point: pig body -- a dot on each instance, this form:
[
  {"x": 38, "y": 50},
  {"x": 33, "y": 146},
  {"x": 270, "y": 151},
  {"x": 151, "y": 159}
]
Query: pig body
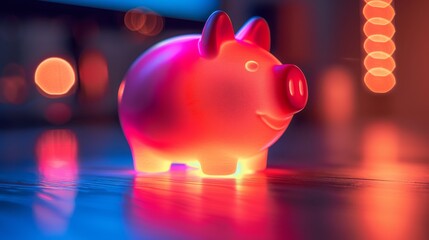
[{"x": 216, "y": 99}]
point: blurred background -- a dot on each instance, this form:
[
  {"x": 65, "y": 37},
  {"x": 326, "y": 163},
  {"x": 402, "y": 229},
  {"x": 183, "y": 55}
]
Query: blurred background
[
  {"x": 367, "y": 117},
  {"x": 364, "y": 62}
]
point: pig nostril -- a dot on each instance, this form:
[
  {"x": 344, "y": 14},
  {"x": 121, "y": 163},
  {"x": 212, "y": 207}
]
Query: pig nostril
[
  {"x": 301, "y": 88},
  {"x": 291, "y": 91}
]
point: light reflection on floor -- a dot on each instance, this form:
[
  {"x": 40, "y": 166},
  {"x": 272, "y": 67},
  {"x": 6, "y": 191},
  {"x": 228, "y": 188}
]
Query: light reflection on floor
[
  {"x": 56, "y": 154},
  {"x": 382, "y": 194},
  {"x": 186, "y": 203}
]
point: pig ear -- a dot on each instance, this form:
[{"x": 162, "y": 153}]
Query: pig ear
[
  {"x": 217, "y": 30},
  {"x": 256, "y": 31}
]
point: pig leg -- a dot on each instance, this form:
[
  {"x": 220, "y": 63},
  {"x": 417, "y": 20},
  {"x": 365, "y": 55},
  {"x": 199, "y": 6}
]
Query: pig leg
[
  {"x": 255, "y": 163},
  {"x": 218, "y": 165},
  {"x": 146, "y": 160}
]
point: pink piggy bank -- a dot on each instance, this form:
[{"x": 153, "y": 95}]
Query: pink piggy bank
[{"x": 216, "y": 100}]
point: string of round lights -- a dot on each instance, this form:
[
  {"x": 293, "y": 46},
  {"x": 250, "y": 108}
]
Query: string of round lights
[{"x": 379, "y": 45}]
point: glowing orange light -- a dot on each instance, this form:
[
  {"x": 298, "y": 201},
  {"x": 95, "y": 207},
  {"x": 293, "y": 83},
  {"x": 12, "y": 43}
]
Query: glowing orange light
[
  {"x": 375, "y": 8},
  {"x": 379, "y": 84},
  {"x": 386, "y": 48},
  {"x": 93, "y": 72},
  {"x": 54, "y": 77},
  {"x": 372, "y": 63},
  {"x": 121, "y": 91},
  {"x": 379, "y": 46},
  {"x": 375, "y": 28}
]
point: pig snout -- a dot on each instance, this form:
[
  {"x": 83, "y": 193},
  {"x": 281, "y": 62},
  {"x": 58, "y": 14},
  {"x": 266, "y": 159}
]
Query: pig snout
[{"x": 293, "y": 87}]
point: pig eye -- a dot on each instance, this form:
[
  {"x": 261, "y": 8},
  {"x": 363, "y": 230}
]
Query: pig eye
[{"x": 252, "y": 66}]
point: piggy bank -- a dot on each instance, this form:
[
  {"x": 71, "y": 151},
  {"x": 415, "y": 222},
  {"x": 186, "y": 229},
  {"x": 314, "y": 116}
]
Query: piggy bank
[{"x": 217, "y": 100}]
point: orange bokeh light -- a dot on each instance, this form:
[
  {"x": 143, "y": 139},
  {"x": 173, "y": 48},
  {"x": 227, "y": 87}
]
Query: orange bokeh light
[
  {"x": 373, "y": 63},
  {"x": 379, "y": 45},
  {"x": 381, "y": 9},
  {"x": 386, "y": 30},
  {"x": 385, "y": 47},
  {"x": 153, "y": 25},
  {"x": 134, "y": 19},
  {"x": 379, "y": 84},
  {"x": 145, "y": 22},
  {"x": 54, "y": 77}
]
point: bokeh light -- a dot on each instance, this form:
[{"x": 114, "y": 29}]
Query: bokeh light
[
  {"x": 94, "y": 74},
  {"x": 379, "y": 46},
  {"x": 378, "y": 9},
  {"x": 13, "y": 86},
  {"x": 145, "y": 22},
  {"x": 134, "y": 19},
  {"x": 55, "y": 77},
  {"x": 379, "y": 84},
  {"x": 153, "y": 25},
  {"x": 337, "y": 100}
]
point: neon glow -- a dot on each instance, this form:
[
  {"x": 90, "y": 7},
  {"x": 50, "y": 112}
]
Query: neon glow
[
  {"x": 379, "y": 46},
  {"x": 54, "y": 77},
  {"x": 222, "y": 114}
]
